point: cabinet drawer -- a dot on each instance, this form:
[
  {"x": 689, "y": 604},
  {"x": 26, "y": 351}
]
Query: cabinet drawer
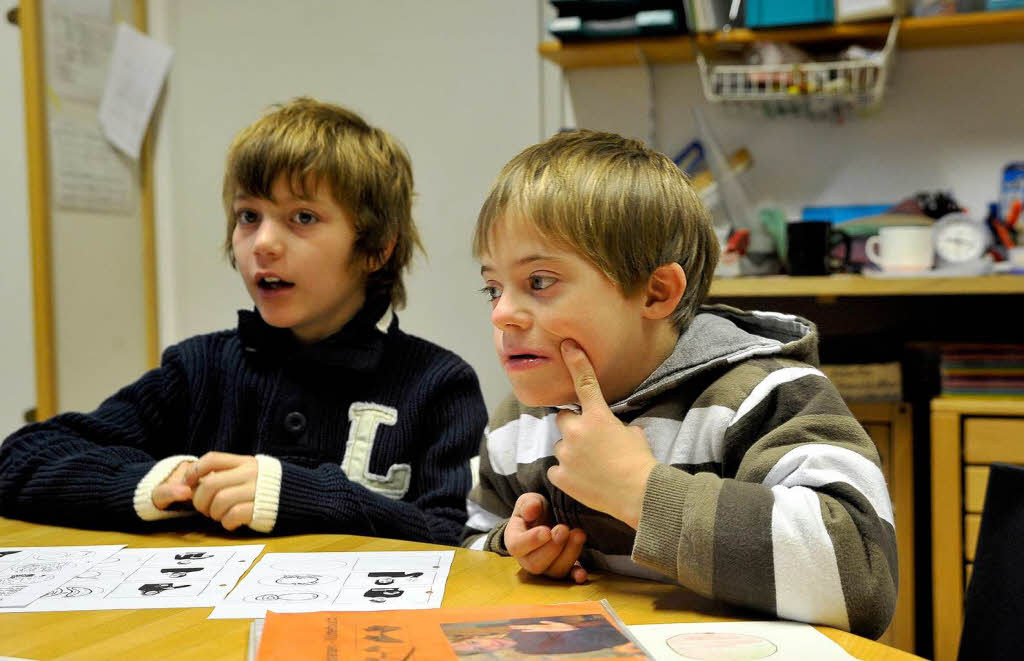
[
  {"x": 972, "y": 523},
  {"x": 975, "y": 483},
  {"x": 994, "y": 439}
]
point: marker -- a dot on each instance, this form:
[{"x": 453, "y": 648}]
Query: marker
[{"x": 1014, "y": 213}]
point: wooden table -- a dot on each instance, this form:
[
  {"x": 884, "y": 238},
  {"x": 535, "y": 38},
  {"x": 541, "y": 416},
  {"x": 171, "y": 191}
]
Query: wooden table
[{"x": 477, "y": 578}]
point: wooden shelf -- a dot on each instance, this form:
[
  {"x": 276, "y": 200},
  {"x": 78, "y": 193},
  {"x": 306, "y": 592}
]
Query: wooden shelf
[
  {"x": 978, "y": 405},
  {"x": 915, "y": 32},
  {"x": 776, "y": 286}
]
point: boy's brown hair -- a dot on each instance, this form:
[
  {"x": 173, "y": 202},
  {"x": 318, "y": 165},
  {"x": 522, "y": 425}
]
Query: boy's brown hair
[
  {"x": 368, "y": 172},
  {"x": 623, "y": 206}
]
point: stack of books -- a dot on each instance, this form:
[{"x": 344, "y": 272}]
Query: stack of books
[{"x": 982, "y": 370}]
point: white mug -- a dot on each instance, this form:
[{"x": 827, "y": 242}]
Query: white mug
[{"x": 904, "y": 248}]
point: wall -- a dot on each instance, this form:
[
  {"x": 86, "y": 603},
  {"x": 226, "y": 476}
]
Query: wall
[
  {"x": 17, "y": 371},
  {"x": 465, "y": 92},
  {"x": 459, "y": 83},
  {"x": 97, "y": 294}
]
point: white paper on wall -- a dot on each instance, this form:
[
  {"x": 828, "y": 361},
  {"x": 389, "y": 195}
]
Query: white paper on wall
[
  {"x": 138, "y": 68},
  {"x": 78, "y": 46},
  {"x": 89, "y": 174}
]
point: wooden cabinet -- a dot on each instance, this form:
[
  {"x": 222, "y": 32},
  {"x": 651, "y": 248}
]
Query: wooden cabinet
[
  {"x": 889, "y": 425},
  {"x": 967, "y": 436}
]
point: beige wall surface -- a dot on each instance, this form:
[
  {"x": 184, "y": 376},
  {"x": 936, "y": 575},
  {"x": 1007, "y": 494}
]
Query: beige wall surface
[{"x": 459, "y": 83}]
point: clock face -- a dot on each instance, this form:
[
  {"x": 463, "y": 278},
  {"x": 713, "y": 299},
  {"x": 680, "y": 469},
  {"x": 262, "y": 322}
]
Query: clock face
[{"x": 960, "y": 239}]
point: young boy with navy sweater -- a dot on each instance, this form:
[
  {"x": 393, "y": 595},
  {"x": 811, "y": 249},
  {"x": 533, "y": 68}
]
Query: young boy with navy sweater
[{"x": 317, "y": 414}]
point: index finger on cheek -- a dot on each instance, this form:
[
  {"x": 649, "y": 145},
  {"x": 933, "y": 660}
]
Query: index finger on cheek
[{"x": 584, "y": 379}]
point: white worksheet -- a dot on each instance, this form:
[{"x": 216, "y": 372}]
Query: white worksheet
[
  {"x": 308, "y": 582},
  {"x": 184, "y": 577},
  {"x": 775, "y": 641},
  {"x": 29, "y": 572}
]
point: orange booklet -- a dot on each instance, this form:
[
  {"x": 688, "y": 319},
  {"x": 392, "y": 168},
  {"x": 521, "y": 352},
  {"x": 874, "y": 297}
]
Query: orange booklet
[{"x": 582, "y": 630}]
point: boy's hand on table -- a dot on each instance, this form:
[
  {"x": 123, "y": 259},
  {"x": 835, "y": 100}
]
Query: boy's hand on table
[
  {"x": 174, "y": 488},
  {"x": 539, "y": 548},
  {"x": 602, "y": 463},
  {"x": 224, "y": 487}
]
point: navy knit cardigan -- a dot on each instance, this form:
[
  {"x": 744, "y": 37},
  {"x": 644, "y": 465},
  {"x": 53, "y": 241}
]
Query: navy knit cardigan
[{"x": 255, "y": 390}]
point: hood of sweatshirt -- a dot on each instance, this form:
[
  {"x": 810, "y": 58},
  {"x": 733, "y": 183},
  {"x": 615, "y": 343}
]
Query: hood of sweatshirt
[{"x": 721, "y": 336}]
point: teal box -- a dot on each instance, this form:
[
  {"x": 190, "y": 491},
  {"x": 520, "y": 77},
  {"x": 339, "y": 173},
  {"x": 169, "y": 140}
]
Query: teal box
[{"x": 775, "y": 13}]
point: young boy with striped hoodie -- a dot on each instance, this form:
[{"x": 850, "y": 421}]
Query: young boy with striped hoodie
[{"x": 649, "y": 434}]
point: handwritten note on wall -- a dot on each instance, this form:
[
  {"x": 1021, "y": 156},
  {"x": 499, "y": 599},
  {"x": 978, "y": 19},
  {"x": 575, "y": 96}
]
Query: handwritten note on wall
[
  {"x": 88, "y": 174},
  {"x": 78, "y": 48},
  {"x": 138, "y": 68}
]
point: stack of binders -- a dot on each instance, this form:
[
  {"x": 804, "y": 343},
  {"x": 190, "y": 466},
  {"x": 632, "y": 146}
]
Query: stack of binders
[
  {"x": 990, "y": 370},
  {"x": 588, "y": 20}
]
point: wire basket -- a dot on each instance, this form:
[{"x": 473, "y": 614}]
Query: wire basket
[{"x": 820, "y": 90}]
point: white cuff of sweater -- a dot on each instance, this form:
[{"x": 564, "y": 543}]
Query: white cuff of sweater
[
  {"x": 268, "y": 493},
  {"x": 143, "y": 499}
]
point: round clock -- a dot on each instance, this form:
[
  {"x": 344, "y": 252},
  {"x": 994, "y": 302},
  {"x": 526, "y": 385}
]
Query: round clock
[{"x": 959, "y": 239}]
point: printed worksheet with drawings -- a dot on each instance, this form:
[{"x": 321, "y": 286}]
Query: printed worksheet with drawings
[
  {"x": 307, "y": 582},
  {"x": 27, "y": 573},
  {"x": 182, "y": 577}
]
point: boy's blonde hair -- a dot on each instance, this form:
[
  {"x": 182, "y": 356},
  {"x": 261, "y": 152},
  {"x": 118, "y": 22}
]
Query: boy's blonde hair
[
  {"x": 367, "y": 170},
  {"x": 624, "y": 207}
]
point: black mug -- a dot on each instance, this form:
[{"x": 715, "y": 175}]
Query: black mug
[{"x": 809, "y": 246}]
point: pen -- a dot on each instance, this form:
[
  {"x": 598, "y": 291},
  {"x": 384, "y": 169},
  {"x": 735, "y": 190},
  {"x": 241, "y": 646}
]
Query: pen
[
  {"x": 1011, "y": 219},
  {"x": 1002, "y": 232},
  {"x": 1013, "y": 213}
]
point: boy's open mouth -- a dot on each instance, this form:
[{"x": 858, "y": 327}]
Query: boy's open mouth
[
  {"x": 271, "y": 283},
  {"x": 524, "y": 361}
]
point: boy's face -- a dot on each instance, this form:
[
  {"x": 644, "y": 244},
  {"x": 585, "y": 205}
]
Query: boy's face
[
  {"x": 541, "y": 294},
  {"x": 297, "y": 261}
]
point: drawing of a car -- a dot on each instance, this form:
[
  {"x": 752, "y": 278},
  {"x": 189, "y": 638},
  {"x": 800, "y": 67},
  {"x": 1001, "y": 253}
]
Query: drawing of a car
[
  {"x": 150, "y": 589},
  {"x": 180, "y": 572},
  {"x": 384, "y": 592},
  {"x": 388, "y": 577}
]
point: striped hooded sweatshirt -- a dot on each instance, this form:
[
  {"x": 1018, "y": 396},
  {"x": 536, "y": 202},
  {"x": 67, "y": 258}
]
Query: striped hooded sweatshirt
[{"x": 768, "y": 493}]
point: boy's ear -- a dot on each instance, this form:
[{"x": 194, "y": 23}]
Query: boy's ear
[
  {"x": 376, "y": 262},
  {"x": 664, "y": 290}
]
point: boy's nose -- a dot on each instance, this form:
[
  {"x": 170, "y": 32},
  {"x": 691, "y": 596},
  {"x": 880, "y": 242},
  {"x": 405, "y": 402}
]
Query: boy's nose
[
  {"x": 268, "y": 240},
  {"x": 507, "y": 313}
]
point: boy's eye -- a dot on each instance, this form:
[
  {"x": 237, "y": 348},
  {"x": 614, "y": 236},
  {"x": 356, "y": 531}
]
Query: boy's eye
[
  {"x": 305, "y": 218},
  {"x": 538, "y": 282},
  {"x": 246, "y": 217},
  {"x": 492, "y": 292}
]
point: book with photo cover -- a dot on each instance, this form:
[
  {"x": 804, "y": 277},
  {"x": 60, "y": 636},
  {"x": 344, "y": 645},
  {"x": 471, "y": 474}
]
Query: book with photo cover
[{"x": 580, "y": 630}]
